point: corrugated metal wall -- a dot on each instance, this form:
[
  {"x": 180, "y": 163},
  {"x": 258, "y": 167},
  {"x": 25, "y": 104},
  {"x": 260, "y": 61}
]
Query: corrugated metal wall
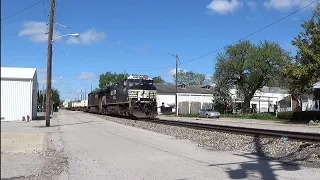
[
  {"x": 35, "y": 89},
  {"x": 15, "y": 99}
]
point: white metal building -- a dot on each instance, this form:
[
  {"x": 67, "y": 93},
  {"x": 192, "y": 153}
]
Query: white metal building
[
  {"x": 190, "y": 94},
  {"x": 19, "y": 93}
]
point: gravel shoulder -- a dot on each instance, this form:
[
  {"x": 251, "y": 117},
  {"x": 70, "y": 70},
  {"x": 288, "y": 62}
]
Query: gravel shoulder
[{"x": 306, "y": 154}]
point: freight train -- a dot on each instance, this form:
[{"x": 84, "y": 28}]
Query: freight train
[{"x": 135, "y": 96}]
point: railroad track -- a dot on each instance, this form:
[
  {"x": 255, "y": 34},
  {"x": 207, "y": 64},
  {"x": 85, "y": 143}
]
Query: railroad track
[{"x": 290, "y": 135}]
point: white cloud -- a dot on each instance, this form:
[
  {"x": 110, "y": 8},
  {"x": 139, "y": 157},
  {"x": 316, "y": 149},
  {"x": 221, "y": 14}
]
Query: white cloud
[
  {"x": 251, "y": 4},
  {"x": 87, "y": 37},
  {"x": 173, "y": 71},
  {"x": 87, "y": 75},
  {"x": 224, "y": 6},
  {"x": 36, "y": 31},
  {"x": 286, "y": 4}
]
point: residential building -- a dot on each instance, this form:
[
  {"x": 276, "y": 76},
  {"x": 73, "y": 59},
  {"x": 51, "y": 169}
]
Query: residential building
[
  {"x": 264, "y": 99},
  {"x": 19, "y": 93},
  {"x": 311, "y": 101},
  {"x": 191, "y": 98}
]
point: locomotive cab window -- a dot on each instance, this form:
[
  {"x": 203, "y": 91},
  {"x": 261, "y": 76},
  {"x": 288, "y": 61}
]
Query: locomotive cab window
[
  {"x": 132, "y": 82},
  {"x": 147, "y": 82}
]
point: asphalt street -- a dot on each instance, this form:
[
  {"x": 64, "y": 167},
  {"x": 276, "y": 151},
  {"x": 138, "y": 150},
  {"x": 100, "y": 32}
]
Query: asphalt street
[
  {"x": 100, "y": 149},
  {"x": 96, "y": 148}
]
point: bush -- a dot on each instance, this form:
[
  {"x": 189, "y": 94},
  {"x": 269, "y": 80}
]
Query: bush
[
  {"x": 299, "y": 116},
  {"x": 285, "y": 115}
]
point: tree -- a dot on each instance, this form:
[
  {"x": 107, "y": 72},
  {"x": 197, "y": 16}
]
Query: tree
[
  {"x": 158, "y": 79},
  {"x": 249, "y": 67},
  {"x": 221, "y": 98},
  {"x": 109, "y": 79},
  {"x": 190, "y": 78},
  {"x": 55, "y": 98},
  {"x": 303, "y": 71}
]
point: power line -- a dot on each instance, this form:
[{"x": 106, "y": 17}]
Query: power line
[
  {"x": 21, "y": 10},
  {"x": 216, "y": 50}
]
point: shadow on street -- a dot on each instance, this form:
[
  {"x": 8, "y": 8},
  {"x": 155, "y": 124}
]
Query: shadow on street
[
  {"x": 60, "y": 125},
  {"x": 259, "y": 163}
]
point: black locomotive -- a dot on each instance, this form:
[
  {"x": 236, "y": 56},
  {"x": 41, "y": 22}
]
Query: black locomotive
[{"x": 134, "y": 96}]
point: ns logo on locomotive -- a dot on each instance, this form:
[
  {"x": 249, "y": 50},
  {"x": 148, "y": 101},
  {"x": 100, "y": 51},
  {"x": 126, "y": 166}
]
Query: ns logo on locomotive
[{"x": 134, "y": 96}]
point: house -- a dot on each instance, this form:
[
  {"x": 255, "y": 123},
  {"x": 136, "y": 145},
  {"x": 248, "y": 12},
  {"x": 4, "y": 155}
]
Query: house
[
  {"x": 265, "y": 99},
  {"x": 191, "y": 98},
  {"x": 19, "y": 93},
  {"x": 311, "y": 101}
]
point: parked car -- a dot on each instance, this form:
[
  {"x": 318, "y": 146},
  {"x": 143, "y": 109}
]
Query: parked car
[{"x": 208, "y": 113}]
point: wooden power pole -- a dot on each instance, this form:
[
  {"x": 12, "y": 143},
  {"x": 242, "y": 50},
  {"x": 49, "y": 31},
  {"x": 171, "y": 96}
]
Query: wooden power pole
[
  {"x": 49, "y": 64},
  {"x": 177, "y": 59},
  {"x": 42, "y": 99}
]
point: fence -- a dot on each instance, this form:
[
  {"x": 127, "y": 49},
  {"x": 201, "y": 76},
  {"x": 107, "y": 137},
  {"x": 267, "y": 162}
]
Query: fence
[{"x": 193, "y": 107}]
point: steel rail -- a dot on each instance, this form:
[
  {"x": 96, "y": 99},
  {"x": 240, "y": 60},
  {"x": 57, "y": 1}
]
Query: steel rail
[{"x": 290, "y": 135}]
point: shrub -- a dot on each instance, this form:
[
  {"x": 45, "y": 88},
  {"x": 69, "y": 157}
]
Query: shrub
[
  {"x": 285, "y": 115},
  {"x": 261, "y": 116},
  {"x": 299, "y": 116}
]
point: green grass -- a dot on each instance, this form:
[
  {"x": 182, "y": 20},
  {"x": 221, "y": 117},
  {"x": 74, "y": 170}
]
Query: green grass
[
  {"x": 182, "y": 115},
  {"x": 262, "y": 116}
]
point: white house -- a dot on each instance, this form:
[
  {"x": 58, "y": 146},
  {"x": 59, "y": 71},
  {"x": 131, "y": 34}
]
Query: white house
[
  {"x": 190, "y": 97},
  {"x": 19, "y": 93},
  {"x": 264, "y": 99},
  {"x": 311, "y": 102}
]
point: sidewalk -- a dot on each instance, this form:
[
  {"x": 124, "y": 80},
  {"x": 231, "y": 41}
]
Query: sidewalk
[{"x": 25, "y": 151}]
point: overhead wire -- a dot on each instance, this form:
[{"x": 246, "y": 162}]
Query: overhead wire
[
  {"x": 21, "y": 10},
  {"x": 216, "y": 50}
]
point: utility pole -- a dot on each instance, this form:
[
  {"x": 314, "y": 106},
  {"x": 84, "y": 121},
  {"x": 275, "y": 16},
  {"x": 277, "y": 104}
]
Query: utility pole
[
  {"x": 85, "y": 94},
  {"x": 49, "y": 63},
  {"x": 42, "y": 99},
  {"x": 177, "y": 59},
  {"x": 91, "y": 88}
]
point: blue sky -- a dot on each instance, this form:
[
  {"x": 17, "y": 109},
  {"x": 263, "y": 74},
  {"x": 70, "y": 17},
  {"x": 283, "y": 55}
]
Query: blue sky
[{"x": 137, "y": 36}]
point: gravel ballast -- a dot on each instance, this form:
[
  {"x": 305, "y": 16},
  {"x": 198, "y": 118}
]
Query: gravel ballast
[{"x": 292, "y": 152}]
